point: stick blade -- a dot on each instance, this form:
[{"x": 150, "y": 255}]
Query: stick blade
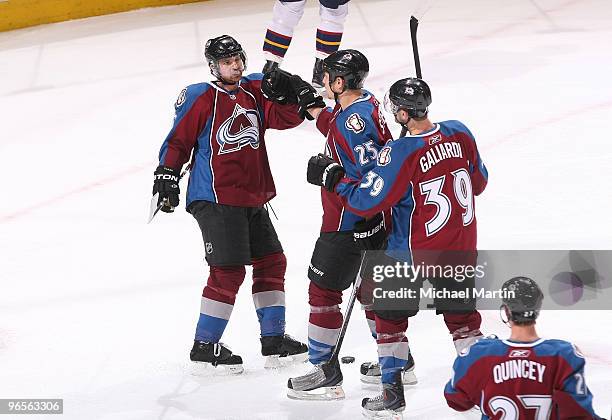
[{"x": 153, "y": 207}]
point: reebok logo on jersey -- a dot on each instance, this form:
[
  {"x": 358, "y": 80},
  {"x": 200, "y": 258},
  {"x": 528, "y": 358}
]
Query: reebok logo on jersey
[
  {"x": 238, "y": 131},
  {"x": 435, "y": 139},
  {"x": 355, "y": 123},
  {"x": 519, "y": 353}
]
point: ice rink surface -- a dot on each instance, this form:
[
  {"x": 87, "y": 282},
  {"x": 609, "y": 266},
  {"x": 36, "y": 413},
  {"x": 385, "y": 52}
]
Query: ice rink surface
[{"x": 98, "y": 308}]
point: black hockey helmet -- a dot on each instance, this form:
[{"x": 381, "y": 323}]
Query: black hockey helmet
[
  {"x": 525, "y": 303},
  {"x": 223, "y": 46},
  {"x": 411, "y": 94},
  {"x": 351, "y": 65}
]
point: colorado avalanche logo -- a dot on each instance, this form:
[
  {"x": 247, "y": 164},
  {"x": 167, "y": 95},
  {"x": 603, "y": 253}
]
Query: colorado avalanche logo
[
  {"x": 355, "y": 123},
  {"x": 240, "y": 130}
]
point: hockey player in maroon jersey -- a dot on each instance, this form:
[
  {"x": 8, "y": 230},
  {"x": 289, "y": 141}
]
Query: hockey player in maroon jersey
[
  {"x": 430, "y": 179},
  {"x": 355, "y": 131},
  {"x": 220, "y": 126},
  {"x": 524, "y": 377}
]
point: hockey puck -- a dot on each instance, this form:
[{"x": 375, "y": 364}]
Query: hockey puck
[{"x": 347, "y": 359}]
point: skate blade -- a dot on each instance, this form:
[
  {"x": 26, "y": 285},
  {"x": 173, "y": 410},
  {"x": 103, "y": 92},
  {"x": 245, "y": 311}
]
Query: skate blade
[
  {"x": 205, "y": 369},
  {"x": 320, "y": 394},
  {"x": 384, "y": 414},
  {"x": 408, "y": 378},
  {"x": 277, "y": 362}
]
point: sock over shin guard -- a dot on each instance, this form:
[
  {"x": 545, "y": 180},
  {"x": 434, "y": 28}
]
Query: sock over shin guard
[
  {"x": 218, "y": 299},
  {"x": 269, "y": 293}
]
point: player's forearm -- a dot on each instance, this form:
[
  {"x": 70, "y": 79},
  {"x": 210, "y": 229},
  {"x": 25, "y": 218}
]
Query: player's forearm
[
  {"x": 314, "y": 112},
  {"x": 356, "y": 200}
]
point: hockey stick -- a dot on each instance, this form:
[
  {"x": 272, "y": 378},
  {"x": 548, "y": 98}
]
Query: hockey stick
[
  {"x": 347, "y": 314},
  {"x": 154, "y": 208},
  {"x": 414, "y": 25}
]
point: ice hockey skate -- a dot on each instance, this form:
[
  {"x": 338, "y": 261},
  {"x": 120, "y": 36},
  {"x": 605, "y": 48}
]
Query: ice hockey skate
[
  {"x": 323, "y": 383},
  {"x": 282, "y": 350},
  {"x": 216, "y": 355},
  {"x": 389, "y": 404},
  {"x": 370, "y": 372}
]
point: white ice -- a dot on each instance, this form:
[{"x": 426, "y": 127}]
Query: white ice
[{"x": 98, "y": 308}]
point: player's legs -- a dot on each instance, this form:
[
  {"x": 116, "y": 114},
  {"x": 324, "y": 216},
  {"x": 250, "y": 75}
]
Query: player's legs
[
  {"x": 225, "y": 234},
  {"x": 324, "y": 322},
  {"x": 269, "y": 293},
  {"x": 370, "y": 371},
  {"x": 393, "y": 354},
  {"x": 392, "y": 344},
  {"x": 460, "y": 315},
  {"x": 269, "y": 267},
  {"x": 333, "y": 268},
  {"x": 285, "y": 17},
  {"x": 217, "y": 303},
  {"x": 333, "y": 14},
  {"x": 464, "y": 327}
]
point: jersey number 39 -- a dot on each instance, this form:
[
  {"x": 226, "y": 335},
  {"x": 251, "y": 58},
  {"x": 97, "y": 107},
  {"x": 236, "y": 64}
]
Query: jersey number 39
[{"x": 432, "y": 190}]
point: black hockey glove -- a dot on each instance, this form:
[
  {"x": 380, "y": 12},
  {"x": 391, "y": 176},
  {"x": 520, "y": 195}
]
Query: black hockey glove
[
  {"x": 276, "y": 86},
  {"x": 324, "y": 172},
  {"x": 166, "y": 183},
  {"x": 370, "y": 234},
  {"x": 307, "y": 96}
]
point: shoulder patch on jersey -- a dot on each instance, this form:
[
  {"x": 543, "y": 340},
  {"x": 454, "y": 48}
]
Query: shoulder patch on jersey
[
  {"x": 181, "y": 98},
  {"x": 384, "y": 156},
  {"x": 355, "y": 123}
]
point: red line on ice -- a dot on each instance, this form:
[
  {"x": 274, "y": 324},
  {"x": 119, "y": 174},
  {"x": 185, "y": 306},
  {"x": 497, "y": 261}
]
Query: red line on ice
[{"x": 83, "y": 189}]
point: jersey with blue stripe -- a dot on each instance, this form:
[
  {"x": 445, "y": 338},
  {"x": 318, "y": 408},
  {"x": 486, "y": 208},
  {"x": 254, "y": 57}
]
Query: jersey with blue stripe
[
  {"x": 354, "y": 136},
  {"x": 510, "y": 380},
  {"x": 223, "y": 134},
  {"x": 429, "y": 180}
]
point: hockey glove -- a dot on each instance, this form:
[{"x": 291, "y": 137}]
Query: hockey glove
[
  {"x": 166, "y": 184},
  {"x": 276, "y": 86},
  {"x": 324, "y": 172},
  {"x": 370, "y": 234},
  {"x": 307, "y": 96}
]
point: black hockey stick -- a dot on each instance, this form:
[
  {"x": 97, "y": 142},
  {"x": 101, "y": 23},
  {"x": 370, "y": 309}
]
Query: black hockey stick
[
  {"x": 347, "y": 315},
  {"x": 414, "y": 25}
]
